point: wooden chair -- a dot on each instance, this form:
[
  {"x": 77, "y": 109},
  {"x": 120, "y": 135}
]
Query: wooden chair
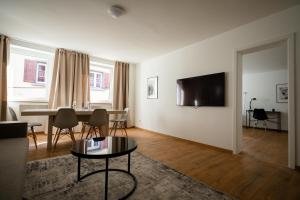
[
  {"x": 30, "y": 125},
  {"x": 65, "y": 119}
]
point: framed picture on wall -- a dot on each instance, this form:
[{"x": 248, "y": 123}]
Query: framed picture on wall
[
  {"x": 282, "y": 93},
  {"x": 152, "y": 84}
]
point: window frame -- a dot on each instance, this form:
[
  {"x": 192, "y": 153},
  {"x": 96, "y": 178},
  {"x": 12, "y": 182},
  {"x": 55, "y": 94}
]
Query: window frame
[
  {"x": 94, "y": 87},
  {"x": 23, "y": 46},
  {"x": 38, "y": 64}
]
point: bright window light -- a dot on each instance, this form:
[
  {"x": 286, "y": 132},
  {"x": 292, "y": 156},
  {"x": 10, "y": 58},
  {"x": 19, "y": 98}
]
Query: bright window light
[
  {"x": 29, "y": 74},
  {"x": 101, "y": 79}
]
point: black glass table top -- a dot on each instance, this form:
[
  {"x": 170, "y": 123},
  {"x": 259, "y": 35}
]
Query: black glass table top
[{"x": 103, "y": 147}]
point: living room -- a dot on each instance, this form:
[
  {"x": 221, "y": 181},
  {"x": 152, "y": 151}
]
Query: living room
[{"x": 136, "y": 55}]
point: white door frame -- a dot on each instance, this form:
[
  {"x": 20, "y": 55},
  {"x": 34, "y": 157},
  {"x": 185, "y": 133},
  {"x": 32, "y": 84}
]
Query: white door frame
[{"x": 289, "y": 40}]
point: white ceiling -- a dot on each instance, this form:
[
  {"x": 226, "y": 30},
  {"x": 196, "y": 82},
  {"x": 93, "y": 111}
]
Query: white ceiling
[
  {"x": 150, "y": 27},
  {"x": 266, "y": 60}
]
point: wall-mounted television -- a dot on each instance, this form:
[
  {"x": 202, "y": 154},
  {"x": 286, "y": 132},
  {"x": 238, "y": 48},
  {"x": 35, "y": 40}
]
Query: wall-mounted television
[{"x": 207, "y": 90}]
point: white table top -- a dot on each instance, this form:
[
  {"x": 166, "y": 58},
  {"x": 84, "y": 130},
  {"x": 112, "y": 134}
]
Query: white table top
[{"x": 50, "y": 112}]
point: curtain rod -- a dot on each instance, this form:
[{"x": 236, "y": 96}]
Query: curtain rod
[
  {"x": 31, "y": 45},
  {"x": 23, "y": 43}
]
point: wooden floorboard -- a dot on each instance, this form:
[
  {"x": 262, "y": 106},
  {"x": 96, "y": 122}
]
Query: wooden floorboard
[
  {"x": 268, "y": 146},
  {"x": 244, "y": 176}
]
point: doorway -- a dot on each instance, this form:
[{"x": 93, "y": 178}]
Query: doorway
[
  {"x": 274, "y": 140},
  {"x": 265, "y": 104}
]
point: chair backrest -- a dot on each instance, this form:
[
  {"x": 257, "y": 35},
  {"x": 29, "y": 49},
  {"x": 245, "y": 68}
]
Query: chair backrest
[
  {"x": 99, "y": 118},
  {"x": 65, "y": 118},
  {"x": 260, "y": 114},
  {"x": 124, "y": 116},
  {"x": 13, "y": 114}
]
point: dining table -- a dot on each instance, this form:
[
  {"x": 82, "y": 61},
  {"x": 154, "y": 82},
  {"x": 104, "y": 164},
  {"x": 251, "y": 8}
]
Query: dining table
[{"x": 83, "y": 115}]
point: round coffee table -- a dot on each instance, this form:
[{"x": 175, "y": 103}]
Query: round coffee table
[{"x": 105, "y": 148}]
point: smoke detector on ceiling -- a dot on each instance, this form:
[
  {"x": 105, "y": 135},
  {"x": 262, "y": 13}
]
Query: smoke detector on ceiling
[{"x": 116, "y": 11}]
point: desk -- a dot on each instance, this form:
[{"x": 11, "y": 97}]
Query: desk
[
  {"x": 274, "y": 117},
  {"x": 82, "y": 115}
]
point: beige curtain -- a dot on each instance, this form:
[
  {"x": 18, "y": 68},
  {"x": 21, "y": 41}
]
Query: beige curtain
[
  {"x": 70, "y": 79},
  {"x": 121, "y": 86},
  {"x": 4, "y": 54}
]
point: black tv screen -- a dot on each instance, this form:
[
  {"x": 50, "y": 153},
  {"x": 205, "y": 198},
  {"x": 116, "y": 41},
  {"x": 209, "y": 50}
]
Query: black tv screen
[{"x": 207, "y": 90}]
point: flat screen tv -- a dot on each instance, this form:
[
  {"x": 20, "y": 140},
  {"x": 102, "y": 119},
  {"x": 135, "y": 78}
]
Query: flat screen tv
[{"x": 207, "y": 90}]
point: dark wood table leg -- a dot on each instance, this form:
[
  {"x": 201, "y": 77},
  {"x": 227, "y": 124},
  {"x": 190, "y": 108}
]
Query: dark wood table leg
[{"x": 49, "y": 134}]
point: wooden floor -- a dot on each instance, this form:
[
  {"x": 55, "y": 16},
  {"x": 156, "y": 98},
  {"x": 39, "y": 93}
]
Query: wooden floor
[
  {"x": 241, "y": 176},
  {"x": 268, "y": 146}
]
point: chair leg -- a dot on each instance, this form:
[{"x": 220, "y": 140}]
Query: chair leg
[
  {"x": 121, "y": 129},
  {"x": 56, "y": 133},
  {"x": 112, "y": 128},
  {"x": 124, "y": 127},
  {"x": 34, "y": 136},
  {"x": 115, "y": 130},
  {"x": 72, "y": 135},
  {"x": 82, "y": 130},
  {"x": 57, "y": 137},
  {"x": 88, "y": 132},
  {"x": 265, "y": 125},
  {"x": 95, "y": 131},
  {"x": 100, "y": 132}
]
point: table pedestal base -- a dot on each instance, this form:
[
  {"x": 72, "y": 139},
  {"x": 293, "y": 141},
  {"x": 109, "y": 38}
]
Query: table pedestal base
[{"x": 106, "y": 170}]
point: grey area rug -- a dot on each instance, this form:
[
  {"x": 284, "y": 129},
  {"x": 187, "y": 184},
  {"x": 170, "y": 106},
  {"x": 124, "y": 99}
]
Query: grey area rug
[{"x": 55, "y": 179}]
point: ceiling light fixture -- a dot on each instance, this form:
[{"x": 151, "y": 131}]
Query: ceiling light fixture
[{"x": 116, "y": 11}]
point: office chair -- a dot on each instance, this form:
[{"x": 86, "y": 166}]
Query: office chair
[{"x": 260, "y": 115}]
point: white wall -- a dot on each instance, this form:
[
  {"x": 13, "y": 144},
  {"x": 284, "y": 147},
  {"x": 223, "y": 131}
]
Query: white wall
[
  {"x": 262, "y": 86},
  {"x": 210, "y": 125},
  {"x": 131, "y": 95}
]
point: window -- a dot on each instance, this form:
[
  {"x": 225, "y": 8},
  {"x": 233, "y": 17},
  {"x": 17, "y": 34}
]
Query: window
[
  {"x": 34, "y": 71},
  {"x": 96, "y": 80},
  {"x": 41, "y": 72},
  {"x": 29, "y": 74},
  {"x": 100, "y": 82}
]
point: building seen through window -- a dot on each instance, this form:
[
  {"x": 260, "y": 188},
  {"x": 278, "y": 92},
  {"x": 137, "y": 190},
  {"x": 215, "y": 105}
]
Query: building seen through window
[
  {"x": 29, "y": 74},
  {"x": 100, "y": 83}
]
